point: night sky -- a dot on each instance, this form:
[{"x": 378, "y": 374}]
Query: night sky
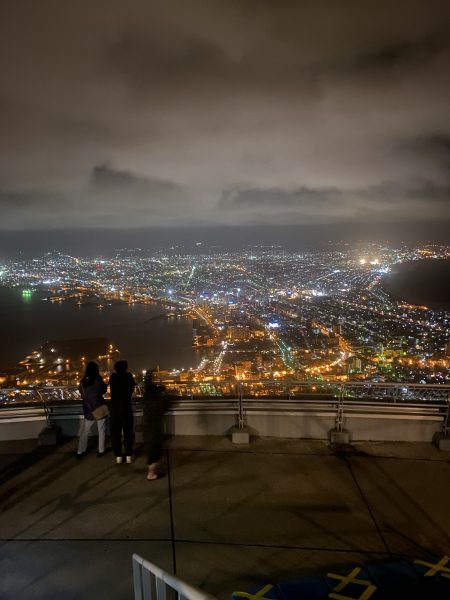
[{"x": 190, "y": 114}]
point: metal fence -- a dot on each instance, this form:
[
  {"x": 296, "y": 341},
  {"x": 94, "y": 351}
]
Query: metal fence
[
  {"x": 243, "y": 401},
  {"x": 153, "y": 583},
  {"x": 314, "y": 390}
]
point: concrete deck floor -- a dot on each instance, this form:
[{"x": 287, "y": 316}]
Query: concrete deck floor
[{"x": 223, "y": 517}]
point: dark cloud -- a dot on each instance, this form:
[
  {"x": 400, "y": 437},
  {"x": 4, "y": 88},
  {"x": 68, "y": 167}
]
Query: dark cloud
[
  {"x": 303, "y": 199},
  {"x": 11, "y": 202},
  {"x": 104, "y": 199},
  {"x": 436, "y": 147},
  {"x": 411, "y": 200},
  {"x": 106, "y": 179},
  {"x": 223, "y": 112},
  {"x": 408, "y": 54}
]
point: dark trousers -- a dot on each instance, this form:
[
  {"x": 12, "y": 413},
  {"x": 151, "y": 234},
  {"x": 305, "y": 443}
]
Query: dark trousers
[
  {"x": 154, "y": 450},
  {"x": 122, "y": 422},
  {"x": 153, "y": 439}
]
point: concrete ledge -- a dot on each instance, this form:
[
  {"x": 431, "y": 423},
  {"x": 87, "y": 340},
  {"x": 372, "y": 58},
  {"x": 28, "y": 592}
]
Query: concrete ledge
[
  {"x": 442, "y": 441},
  {"x": 339, "y": 437},
  {"x": 240, "y": 436},
  {"x": 26, "y": 423},
  {"x": 21, "y": 429},
  {"x": 49, "y": 436}
]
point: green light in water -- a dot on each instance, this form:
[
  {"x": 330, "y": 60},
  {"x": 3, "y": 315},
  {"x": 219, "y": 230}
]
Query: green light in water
[{"x": 26, "y": 293}]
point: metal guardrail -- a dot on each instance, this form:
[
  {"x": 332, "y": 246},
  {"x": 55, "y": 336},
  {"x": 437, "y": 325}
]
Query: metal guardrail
[
  {"x": 153, "y": 583},
  {"x": 337, "y": 401},
  {"x": 389, "y": 392},
  {"x": 243, "y": 409}
]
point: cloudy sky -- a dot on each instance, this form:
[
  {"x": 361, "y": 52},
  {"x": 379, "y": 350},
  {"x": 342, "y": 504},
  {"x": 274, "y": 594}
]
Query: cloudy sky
[{"x": 191, "y": 113}]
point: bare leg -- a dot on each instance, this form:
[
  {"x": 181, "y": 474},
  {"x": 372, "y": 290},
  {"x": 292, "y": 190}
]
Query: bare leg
[{"x": 152, "y": 472}]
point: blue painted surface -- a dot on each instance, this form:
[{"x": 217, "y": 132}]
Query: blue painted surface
[
  {"x": 313, "y": 588},
  {"x": 379, "y": 581}
]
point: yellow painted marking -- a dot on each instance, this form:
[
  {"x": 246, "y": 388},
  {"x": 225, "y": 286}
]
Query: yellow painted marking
[
  {"x": 346, "y": 580},
  {"x": 256, "y": 596},
  {"x": 439, "y": 567}
]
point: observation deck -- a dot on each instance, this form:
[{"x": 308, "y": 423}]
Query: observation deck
[{"x": 225, "y": 516}]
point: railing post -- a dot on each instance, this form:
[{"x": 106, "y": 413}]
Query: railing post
[
  {"x": 50, "y": 434},
  {"x": 446, "y": 425},
  {"x": 240, "y": 409},
  {"x": 160, "y": 589},
  {"x": 442, "y": 438},
  {"x": 339, "y": 435},
  {"x": 45, "y": 407},
  {"x": 240, "y": 434},
  {"x": 153, "y": 583},
  {"x": 340, "y": 410},
  {"x": 137, "y": 580}
]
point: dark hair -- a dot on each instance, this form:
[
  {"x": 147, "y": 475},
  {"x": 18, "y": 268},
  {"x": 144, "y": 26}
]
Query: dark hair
[
  {"x": 121, "y": 366},
  {"x": 150, "y": 375},
  {"x": 92, "y": 371},
  {"x": 152, "y": 384}
]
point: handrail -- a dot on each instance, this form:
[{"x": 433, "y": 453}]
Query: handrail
[
  {"x": 331, "y": 407},
  {"x": 242, "y": 400},
  {"x": 238, "y": 390},
  {"x": 152, "y": 583}
]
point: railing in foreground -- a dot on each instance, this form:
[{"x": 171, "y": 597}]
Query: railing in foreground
[{"x": 153, "y": 583}]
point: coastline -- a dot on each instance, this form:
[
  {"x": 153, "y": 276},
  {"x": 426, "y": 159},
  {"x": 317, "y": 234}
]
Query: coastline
[{"x": 421, "y": 283}]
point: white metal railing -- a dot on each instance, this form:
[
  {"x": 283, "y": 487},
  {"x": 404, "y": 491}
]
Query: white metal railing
[
  {"x": 244, "y": 400},
  {"x": 363, "y": 390},
  {"x": 153, "y": 583}
]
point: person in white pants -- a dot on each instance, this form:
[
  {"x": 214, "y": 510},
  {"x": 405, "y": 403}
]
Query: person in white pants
[
  {"x": 92, "y": 387},
  {"x": 85, "y": 427}
]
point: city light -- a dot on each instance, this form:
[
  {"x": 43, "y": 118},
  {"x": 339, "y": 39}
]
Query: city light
[{"x": 254, "y": 315}]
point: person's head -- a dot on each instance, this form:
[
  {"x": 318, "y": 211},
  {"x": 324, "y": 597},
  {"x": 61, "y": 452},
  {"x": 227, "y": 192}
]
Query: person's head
[
  {"x": 121, "y": 366},
  {"x": 92, "y": 371}
]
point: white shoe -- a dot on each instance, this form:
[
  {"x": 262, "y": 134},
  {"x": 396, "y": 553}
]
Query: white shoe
[
  {"x": 119, "y": 460},
  {"x": 129, "y": 460}
]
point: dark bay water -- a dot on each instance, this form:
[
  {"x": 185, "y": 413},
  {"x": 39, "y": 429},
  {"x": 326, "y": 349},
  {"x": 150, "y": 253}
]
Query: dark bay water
[
  {"x": 421, "y": 282},
  {"x": 142, "y": 338}
]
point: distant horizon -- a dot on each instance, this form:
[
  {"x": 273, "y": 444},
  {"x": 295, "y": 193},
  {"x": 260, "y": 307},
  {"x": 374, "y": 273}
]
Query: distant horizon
[{"x": 89, "y": 241}]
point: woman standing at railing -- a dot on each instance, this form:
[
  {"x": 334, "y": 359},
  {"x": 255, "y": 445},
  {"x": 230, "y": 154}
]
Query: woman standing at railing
[
  {"x": 92, "y": 387},
  {"x": 155, "y": 404}
]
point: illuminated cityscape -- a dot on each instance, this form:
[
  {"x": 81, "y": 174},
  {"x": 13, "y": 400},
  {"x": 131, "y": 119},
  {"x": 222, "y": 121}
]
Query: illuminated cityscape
[
  {"x": 259, "y": 314},
  {"x": 224, "y": 238}
]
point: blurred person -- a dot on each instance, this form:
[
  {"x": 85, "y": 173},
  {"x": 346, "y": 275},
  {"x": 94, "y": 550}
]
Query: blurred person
[
  {"x": 92, "y": 387},
  {"x": 155, "y": 405},
  {"x": 121, "y": 385}
]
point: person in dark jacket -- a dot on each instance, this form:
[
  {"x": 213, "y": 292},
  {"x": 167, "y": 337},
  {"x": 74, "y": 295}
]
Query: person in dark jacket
[
  {"x": 155, "y": 404},
  {"x": 92, "y": 387},
  {"x": 121, "y": 384}
]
